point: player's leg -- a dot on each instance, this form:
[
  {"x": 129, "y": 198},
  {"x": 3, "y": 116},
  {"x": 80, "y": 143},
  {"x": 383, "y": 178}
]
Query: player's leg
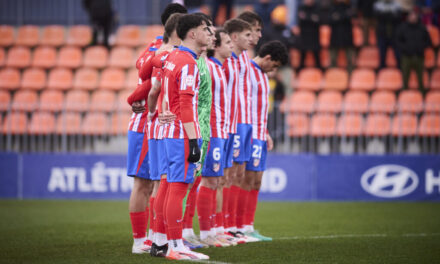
[{"x": 155, "y": 177}]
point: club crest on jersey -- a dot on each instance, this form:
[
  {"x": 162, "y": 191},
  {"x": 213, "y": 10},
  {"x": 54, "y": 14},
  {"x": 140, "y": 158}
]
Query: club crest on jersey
[
  {"x": 189, "y": 80},
  {"x": 216, "y": 167},
  {"x": 236, "y": 152},
  {"x": 256, "y": 162}
]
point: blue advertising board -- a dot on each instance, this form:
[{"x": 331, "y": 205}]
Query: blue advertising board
[{"x": 287, "y": 178}]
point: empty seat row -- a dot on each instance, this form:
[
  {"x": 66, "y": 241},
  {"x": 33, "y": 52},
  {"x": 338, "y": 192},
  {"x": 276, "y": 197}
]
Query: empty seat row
[
  {"x": 361, "y": 79},
  {"x": 360, "y": 102},
  {"x": 75, "y": 100},
  {"x": 65, "y": 79},
  {"x": 352, "y": 125},
  {"x": 43, "y": 123},
  {"x": 80, "y": 35},
  {"x": 69, "y": 57}
]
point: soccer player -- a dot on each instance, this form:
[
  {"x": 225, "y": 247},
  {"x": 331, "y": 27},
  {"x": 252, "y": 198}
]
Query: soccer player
[
  {"x": 214, "y": 163},
  {"x": 137, "y": 158},
  {"x": 241, "y": 36},
  {"x": 270, "y": 56},
  {"x": 182, "y": 136}
]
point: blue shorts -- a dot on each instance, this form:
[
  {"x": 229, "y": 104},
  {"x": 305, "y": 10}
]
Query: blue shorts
[
  {"x": 229, "y": 150},
  {"x": 152, "y": 159},
  {"x": 137, "y": 155},
  {"x": 242, "y": 143},
  {"x": 179, "y": 169},
  {"x": 259, "y": 155},
  {"x": 215, "y": 158},
  {"x": 162, "y": 157}
]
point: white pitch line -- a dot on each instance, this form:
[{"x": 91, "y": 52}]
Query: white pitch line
[{"x": 357, "y": 236}]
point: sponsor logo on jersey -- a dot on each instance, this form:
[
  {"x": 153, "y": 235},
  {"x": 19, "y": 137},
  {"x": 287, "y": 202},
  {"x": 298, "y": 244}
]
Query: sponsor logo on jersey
[{"x": 189, "y": 80}]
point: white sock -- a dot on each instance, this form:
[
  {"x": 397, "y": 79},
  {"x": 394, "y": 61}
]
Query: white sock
[
  {"x": 139, "y": 241},
  {"x": 220, "y": 230},
  {"x": 160, "y": 239},
  {"x": 188, "y": 232},
  {"x": 176, "y": 245},
  {"x": 241, "y": 230},
  {"x": 204, "y": 234},
  {"x": 150, "y": 235}
]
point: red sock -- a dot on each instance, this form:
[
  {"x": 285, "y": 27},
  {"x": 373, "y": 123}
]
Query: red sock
[
  {"x": 252, "y": 207},
  {"x": 204, "y": 202},
  {"x": 151, "y": 212},
  {"x": 218, "y": 219},
  {"x": 213, "y": 207},
  {"x": 241, "y": 207},
  {"x": 176, "y": 193},
  {"x": 233, "y": 199},
  {"x": 191, "y": 204},
  {"x": 225, "y": 207},
  {"x": 138, "y": 224},
  {"x": 159, "y": 206}
]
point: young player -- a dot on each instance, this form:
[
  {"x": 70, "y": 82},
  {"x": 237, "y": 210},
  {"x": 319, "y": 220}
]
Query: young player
[
  {"x": 182, "y": 136},
  {"x": 270, "y": 56},
  {"x": 137, "y": 158},
  {"x": 214, "y": 163}
]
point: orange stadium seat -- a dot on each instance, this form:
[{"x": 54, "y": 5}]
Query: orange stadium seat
[
  {"x": 377, "y": 125},
  {"x": 329, "y": 101},
  {"x": 356, "y": 102},
  {"x": 79, "y": 35},
  {"x": 53, "y": 35},
  {"x": 120, "y": 123},
  {"x": 309, "y": 79},
  {"x": 70, "y": 57},
  {"x": 429, "y": 58},
  {"x": 435, "y": 79},
  {"x": 140, "y": 50},
  {"x": 324, "y": 35},
  {"x": 372, "y": 40},
  {"x": 434, "y": 34},
  {"x": 429, "y": 125},
  {"x": 121, "y": 57},
  {"x": 294, "y": 58},
  {"x": 9, "y": 79},
  {"x": 363, "y": 79},
  {"x": 389, "y": 79},
  {"x": 112, "y": 79},
  {"x": 410, "y": 101},
  {"x": 51, "y": 100},
  {"x": 121, "y": 101},
  {"x": 302, "y": 102},
  {"x": 368, "y": 58},
  {"x": 152, "y": 32},
  {"x": 404, "y": 125},
  {"x": 6, "y": 35},
  {"x": 350, "y": 125},
  {"x": 132, "y": 79},
  {"x": 68, "y": 123},
  {"x": 85, "y": 79},
  {"x": 103, "y": 100},
  {"x": 77, "y": 100},
  {"x": 335, "y": 79},
  {"x": 358, "y": 36},
  {"x": 128, "y": 35},
  {"x": 60, "y": 78},
  {"x": 27, "y": 36},
  {"x": 33, "y": 79},
  {"x": 42, "y": 123},
  {"x": 2, "y": 57},
  {"x": 95, "y": 123},
  {"x": 298, "y": 125},
  {"x": 324, "y": 56},
  {"x": 15, "y": 123},
  {"x": 382, "y": 102},
  {"x": 25, "y": 100},
  {"x": 432, "y": 102},
  {"x": 5, "y": 100},
  {"x": 96, "y": 57},
  {"x": 390, "y": 59},
  {"x": 19, "y": 57},
  {"x": 44, "y": 57},
  {"x": 323, "y": 125},
  {"x": 413, "y": 83}
]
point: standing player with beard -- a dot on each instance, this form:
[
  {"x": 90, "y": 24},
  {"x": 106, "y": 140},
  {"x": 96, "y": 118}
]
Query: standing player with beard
[{"x": 270, "y": 56}]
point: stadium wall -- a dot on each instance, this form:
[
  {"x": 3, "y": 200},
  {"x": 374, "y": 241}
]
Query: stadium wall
[{"x": 288, "y": 177}]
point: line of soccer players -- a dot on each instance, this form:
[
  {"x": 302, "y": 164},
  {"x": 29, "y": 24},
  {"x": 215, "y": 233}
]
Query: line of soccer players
[{"x": 198, "y": 136}]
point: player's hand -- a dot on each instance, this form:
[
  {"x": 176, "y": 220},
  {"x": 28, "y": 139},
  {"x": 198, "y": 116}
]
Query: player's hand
[
  {"x": 194, "y": 151},
  {"x": 269, "y": 142},
  {"x": 166, "y": 117},
  {"x": 150, "y": 116},
  {"x": 137, "y": 107}
]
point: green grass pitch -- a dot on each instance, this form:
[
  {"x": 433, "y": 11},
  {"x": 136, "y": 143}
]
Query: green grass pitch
[{"x": 100, "y": 232}]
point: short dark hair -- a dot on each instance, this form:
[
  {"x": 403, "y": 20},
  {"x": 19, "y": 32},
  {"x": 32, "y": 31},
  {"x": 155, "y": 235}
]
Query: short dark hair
[
  {"x": 236, "y": 25},
  {"x": 276, "y": 50},
  {"x": 251, "y": 17},
  {"x": 207, "y": 18},
  {"x": 171, "y": 25},
  {"x": 172, "y": 9},
  {"x": 188, "y": 22},
  {"x": 218, "y": 41}
]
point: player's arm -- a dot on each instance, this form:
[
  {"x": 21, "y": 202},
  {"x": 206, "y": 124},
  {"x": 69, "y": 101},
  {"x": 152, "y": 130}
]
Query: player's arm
[
  {"x": 153, "y": 95},
  {"x": 140, "y": 93},
  {"x": 269, "y": 141}
]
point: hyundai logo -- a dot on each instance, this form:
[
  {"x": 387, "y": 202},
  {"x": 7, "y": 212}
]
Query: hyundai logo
[{"x": 389, "y": 181}]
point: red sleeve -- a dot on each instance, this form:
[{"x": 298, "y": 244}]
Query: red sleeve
[
  {"x": 187, "y": 85},
  {"x": 141, "y": 92},
  {"x": 186, "y": 108},
  {"x": 146, "y": 68}
]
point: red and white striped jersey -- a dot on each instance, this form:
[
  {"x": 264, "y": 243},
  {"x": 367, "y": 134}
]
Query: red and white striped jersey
[
  {"x": 230, "y": 66},
  {"x": 244, "y": 90},
  {"x": 260, "y": 101},
  {"x": 219, "y": 112},
  {"x": 181, "y": 77}
]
